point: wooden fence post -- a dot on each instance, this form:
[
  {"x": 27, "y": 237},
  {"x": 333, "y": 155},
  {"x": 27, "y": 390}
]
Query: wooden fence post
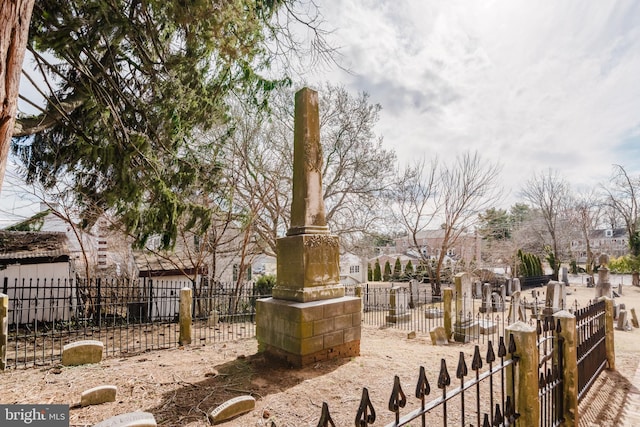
[
  {"x": 569, "y": 336},
  {"x": 185, "y": 315},
  {"x": 447, "y": 296},
  {"x": 527, "y": 402},
  {"x": 4, "y": 330},
  {"x": 608, "y": 325}
]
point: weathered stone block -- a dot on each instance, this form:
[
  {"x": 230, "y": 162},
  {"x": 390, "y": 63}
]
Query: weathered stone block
[
  {"x": 356, "y": 319},
  {"x": 323, "y": 326},
  {"x": 333, "y": 310},
  {"x": 310, "y": 345},
  {"x": 82, "y": 352},
  {"x": 98, "y": 395},
  {"x": 353, "y": 334},
  {"x": 132, "y": 419},
  {"x": 343, "y": 322},
  {"x": 333, "y": 339},
  {"x": 232, "y": 408},
  {"x": 352, "y": 305}
]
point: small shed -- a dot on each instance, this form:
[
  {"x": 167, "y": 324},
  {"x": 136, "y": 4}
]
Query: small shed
[{"x": 36, "y": 273}]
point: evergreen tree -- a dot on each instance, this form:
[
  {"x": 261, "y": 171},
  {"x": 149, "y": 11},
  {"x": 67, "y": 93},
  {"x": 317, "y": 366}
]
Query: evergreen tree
[
  {"x": 369, "y": 272},
  {"x": 387, "y": 271},
  {"x": 377, "y": 273},
  {"x": 408, "y": 270},
  {"x": 135, "y": 85},
  {"x": 397, "y": 270}
]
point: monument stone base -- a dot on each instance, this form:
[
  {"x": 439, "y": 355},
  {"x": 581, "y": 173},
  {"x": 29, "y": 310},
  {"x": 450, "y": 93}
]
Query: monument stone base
[
  {"x": 302, "y": 333},
  {"x": 308, "y": 268}
]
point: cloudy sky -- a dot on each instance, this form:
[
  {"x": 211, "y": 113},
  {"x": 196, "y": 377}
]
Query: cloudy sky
[{"x": 529, "y": 84}]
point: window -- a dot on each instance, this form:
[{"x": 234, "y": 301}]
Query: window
[
  {"x": 354, "y": 269},
  {"x": 608, "y": 233}
]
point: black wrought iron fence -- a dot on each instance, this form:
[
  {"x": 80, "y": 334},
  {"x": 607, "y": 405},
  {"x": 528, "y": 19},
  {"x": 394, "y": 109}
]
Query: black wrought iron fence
[
  {"x": 128, "y": 316},
  {"x": 550, "y": 371},
  {"x": 591, "y": 345},
  {"x": 479, "y": 398}
]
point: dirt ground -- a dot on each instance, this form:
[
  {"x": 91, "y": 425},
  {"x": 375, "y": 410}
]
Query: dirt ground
[{"x": 180, "y": 386}]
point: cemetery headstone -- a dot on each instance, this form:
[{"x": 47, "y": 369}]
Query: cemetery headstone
[
  {"x": 82, "y": 352},
  {"x": 603, "y": 287},
  {"x": 98, "y": 395},
  {"x": 438, "y": 336},
  {"x": 516, "y": 309},
  {"x": 553, "y": 301},
  {"x": 232, "y": 408},
  {"x": 132, "y": 419},
  {"x": 485, "y": 307},
  {"x": 477, "y": 289},
  {"x": 398, "y": 304},
  {"x": 634, "y": 318},
  {"x": 623, "y": 321},
  {"x": 463, "y": 327}
]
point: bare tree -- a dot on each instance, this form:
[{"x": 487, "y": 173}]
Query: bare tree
[
  {"x": 416, "y": 202},
  {"x": 587, "y": 211},
  {"x": 622, "y": 196},
  {"x": 549, "y": 193},
  {"x": 452, "y": 193},
  {"x": 467, "y": 187},
  {"x": 356, "y": 172}
]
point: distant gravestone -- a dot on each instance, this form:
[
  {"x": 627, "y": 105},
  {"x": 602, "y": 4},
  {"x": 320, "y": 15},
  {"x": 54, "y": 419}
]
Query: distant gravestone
[
  {"x": 516, "y": 285},
  {"x": 433, "y": 313},
  {"x": 438, "y": 336},
  {"x": 232, "y": 408},
  {"x": 132, "y": 419},
  {"x": 517, "y": 311},
  {"x": 634, "y": 318},
  {"x": 82, "y": 352},
  {"x": 565, "y": 275},
  {"x": 462, "y": 329},
  {"x": 98, "y": 395},
  {"x": 398, "y": 306},
  {"x": 487, "y": 327},
  {"x": 477, "y": 289},
  {"x": 497, "y": 303},
  {"x": 623, "y": 321},
  {"x": 485, "y": 307},
  {"x": 603, "y": 287},
  {"x": 553, "y": 301}
]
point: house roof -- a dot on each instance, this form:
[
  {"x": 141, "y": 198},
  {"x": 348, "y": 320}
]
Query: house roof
[
  {"x": 615, "y": 233},
  {"x": 33, "y": 246}
]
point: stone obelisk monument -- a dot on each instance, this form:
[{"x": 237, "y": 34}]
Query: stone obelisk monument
[{"x": 308, "y": 319}]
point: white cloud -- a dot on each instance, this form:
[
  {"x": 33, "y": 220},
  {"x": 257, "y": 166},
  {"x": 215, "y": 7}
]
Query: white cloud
[{"x": 534, "y": 85}]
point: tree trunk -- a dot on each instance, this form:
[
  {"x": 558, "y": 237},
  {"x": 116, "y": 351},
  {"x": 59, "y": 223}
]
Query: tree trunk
[
  {"x": 15, "y": 16},
  {"x": 636, "y": 278}
]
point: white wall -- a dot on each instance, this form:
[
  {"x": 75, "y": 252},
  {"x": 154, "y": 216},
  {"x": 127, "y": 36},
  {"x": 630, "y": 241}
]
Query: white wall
[{"x": 40, "y": 292}]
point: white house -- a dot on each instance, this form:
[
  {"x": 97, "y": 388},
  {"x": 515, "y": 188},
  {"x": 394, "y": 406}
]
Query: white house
[{"x": 353, "y": 269}]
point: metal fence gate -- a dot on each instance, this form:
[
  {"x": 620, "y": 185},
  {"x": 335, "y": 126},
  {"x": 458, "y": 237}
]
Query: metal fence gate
[{"x": 592, "y": 352}]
